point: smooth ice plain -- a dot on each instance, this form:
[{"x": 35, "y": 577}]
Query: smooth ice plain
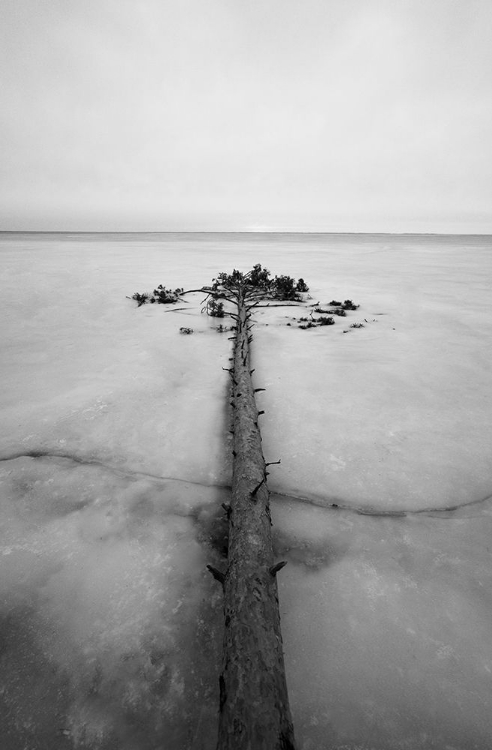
[{"x": 115, "y": 459}]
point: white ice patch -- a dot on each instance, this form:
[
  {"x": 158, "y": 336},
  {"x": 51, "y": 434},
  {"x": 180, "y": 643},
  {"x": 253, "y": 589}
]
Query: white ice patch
[{"x": 117, "y": 457}]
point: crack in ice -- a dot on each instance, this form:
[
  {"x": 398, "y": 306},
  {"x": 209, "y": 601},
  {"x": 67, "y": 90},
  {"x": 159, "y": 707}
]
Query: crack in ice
[{"x": 359, "y": 510}]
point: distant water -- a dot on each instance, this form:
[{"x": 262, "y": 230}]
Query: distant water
[
  {"x": 236, "y": 241},
  {"x": 240, "y": 237}
]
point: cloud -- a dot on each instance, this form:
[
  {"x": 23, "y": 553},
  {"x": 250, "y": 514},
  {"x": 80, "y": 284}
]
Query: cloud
[{"x": 139, "y": 113}]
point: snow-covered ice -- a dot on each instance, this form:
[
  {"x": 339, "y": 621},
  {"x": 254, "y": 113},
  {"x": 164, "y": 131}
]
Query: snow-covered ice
[{"x": 115, "y": 454}]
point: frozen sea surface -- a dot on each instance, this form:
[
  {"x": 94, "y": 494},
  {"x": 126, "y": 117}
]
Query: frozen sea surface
[{"x": 115, "y": 459}]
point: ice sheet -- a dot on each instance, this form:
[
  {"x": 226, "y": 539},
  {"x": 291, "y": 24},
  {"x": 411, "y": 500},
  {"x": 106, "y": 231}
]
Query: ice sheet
[{"x": 116, "y": 457}]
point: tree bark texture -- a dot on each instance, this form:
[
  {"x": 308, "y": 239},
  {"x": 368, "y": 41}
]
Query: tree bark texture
[{"x": 254, "y": 707}]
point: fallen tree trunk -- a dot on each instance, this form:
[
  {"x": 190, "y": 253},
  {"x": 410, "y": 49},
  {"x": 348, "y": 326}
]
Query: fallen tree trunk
[
  {"x": 254, "y": 711},
  {"x": 254, "y": 706}
]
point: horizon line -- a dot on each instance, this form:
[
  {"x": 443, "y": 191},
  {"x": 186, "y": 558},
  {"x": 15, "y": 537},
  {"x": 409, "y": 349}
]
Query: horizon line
[{"x": 236, "y": 231}]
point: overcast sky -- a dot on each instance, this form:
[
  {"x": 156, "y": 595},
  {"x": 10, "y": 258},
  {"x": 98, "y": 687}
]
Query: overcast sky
[{"x": 316, "y": 115}]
